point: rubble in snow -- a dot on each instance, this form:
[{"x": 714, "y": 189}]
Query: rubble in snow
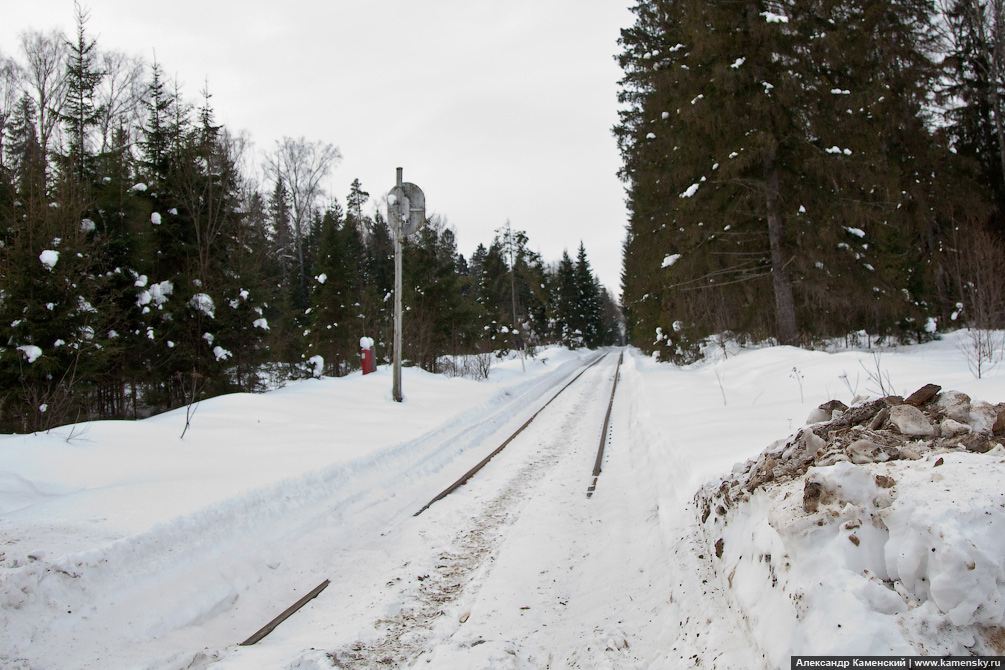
[
  {"x": 887, "y": 429},
  {"x": 888, "y": 508}
]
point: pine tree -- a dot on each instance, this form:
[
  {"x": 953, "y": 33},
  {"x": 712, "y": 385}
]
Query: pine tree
[
  {"x": 81, "y": 114},
  {"x": 354, "y": 208}
]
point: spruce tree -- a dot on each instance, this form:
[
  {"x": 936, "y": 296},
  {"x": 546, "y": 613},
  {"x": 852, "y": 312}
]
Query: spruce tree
[
  {"x": 566, "y": 322},
  {"x": 779, "y": 154},
  {"x": 80, "y": 114},
  {"x": 589, "y": 306}
]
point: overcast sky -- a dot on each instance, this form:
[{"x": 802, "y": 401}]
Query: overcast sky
[{"x": 497, "y": 110}]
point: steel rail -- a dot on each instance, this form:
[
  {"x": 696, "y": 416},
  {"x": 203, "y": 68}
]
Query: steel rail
[
  {"x": 470, "y": 473},
  {"x": 287, "y": 613},
  {"x": 597, "y": 466}
]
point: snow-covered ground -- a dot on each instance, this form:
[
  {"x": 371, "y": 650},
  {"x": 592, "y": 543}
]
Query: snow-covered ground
[{"x": 124, "y": 546}]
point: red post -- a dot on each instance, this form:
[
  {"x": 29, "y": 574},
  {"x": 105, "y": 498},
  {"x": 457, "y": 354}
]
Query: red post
[{"x": 366, "y": 353}]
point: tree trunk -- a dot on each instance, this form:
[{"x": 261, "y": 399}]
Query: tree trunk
[{"x": 785, "y": 310}]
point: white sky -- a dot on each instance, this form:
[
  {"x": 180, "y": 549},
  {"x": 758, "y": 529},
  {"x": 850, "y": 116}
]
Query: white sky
[{"x": 497, "y": 110}]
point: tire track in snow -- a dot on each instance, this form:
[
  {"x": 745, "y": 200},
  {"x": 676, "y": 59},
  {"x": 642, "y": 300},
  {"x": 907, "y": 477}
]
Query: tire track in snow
[{"x": 197, "y": 580}]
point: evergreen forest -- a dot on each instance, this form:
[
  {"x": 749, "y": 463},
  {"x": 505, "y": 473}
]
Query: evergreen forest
[
  {"x": 803, "y": 170},
  {"x": 144, "y": 266}
]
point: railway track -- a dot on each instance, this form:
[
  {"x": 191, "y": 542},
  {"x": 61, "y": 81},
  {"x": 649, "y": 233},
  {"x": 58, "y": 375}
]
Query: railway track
[
  {"x": 475, "y": 542},
  {"x": 545, "y": 457},
  {"x": 596, "y": 470}
]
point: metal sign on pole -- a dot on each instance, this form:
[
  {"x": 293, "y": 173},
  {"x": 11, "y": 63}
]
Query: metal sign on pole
[{"x": 406, "y": 212}]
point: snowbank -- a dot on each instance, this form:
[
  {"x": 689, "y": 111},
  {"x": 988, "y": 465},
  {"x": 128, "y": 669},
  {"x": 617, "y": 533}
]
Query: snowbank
[{"x": 881, "y": 531}]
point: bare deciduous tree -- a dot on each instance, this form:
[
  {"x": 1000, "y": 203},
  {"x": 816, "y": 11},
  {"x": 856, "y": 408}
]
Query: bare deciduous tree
[
  {"x": 120, "y": 95},
  {"x": 45, "y": 79},
  {"x": 302, "y": 166},
  {"x": 977, "y": 258}
]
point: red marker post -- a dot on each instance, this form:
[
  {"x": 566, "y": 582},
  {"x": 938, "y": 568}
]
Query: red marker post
[{"x": 366, "y": 353}]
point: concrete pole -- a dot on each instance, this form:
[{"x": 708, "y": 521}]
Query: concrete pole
[
  {"x": 512, "y": 277},
  {"x": 397, "y": 228}
]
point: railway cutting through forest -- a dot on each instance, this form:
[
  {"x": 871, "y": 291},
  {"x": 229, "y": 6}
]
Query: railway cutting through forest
[{"x": 539, "y": 550}]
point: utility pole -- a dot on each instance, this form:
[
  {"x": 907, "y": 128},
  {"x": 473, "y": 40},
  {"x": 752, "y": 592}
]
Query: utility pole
[
  {"x": 512, "y": 282},
  {"x": 406, "y": 211},
  {"x": 397, "y": 227}
]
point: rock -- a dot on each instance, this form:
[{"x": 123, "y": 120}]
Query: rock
[
  {"x": 832, "y": 405},
  {"x": 983, "y": 417},
  {"x": 879, "y": 419},
  {"x": 832, "y": 458},
  {"x": 812, "y": 492},
  {"x": 923, "y": 395},
  {"x": 825, "y": 412},
  {"x": 885, "y": 482},
  {"x": 864, "y": 451},
  {"x": 860, "y": 415},
  {"x": 977, "y": 443},
  {"x": 719, "y": 545},
  {"x": 910, "y": 420},
  {"x": 813, "y": 443},
  {"x": 952, "y": 428},
  {"x": 954, "y": 405}
]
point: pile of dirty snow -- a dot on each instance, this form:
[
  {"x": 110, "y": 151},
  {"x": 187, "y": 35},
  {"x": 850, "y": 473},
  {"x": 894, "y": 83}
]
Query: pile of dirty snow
[{"x": 876, "y": 529}]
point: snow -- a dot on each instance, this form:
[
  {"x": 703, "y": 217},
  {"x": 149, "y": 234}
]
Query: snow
[
  {"x": 670, "y": 259},
  {"x": 49, "y": 258},
  {"x": 202, "y": 302},
  {"x": 155, "y": 218},
  {"x": 771, "y": 17},
  {"x": 691, "y": 190},
  {"x": 365, "y": 342},
  {"x": 123, "y": 545},
  {"x": 31, "y": 352},
  {"x": 317, "y": 363},
  {"x": 161, "y": 291}
]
